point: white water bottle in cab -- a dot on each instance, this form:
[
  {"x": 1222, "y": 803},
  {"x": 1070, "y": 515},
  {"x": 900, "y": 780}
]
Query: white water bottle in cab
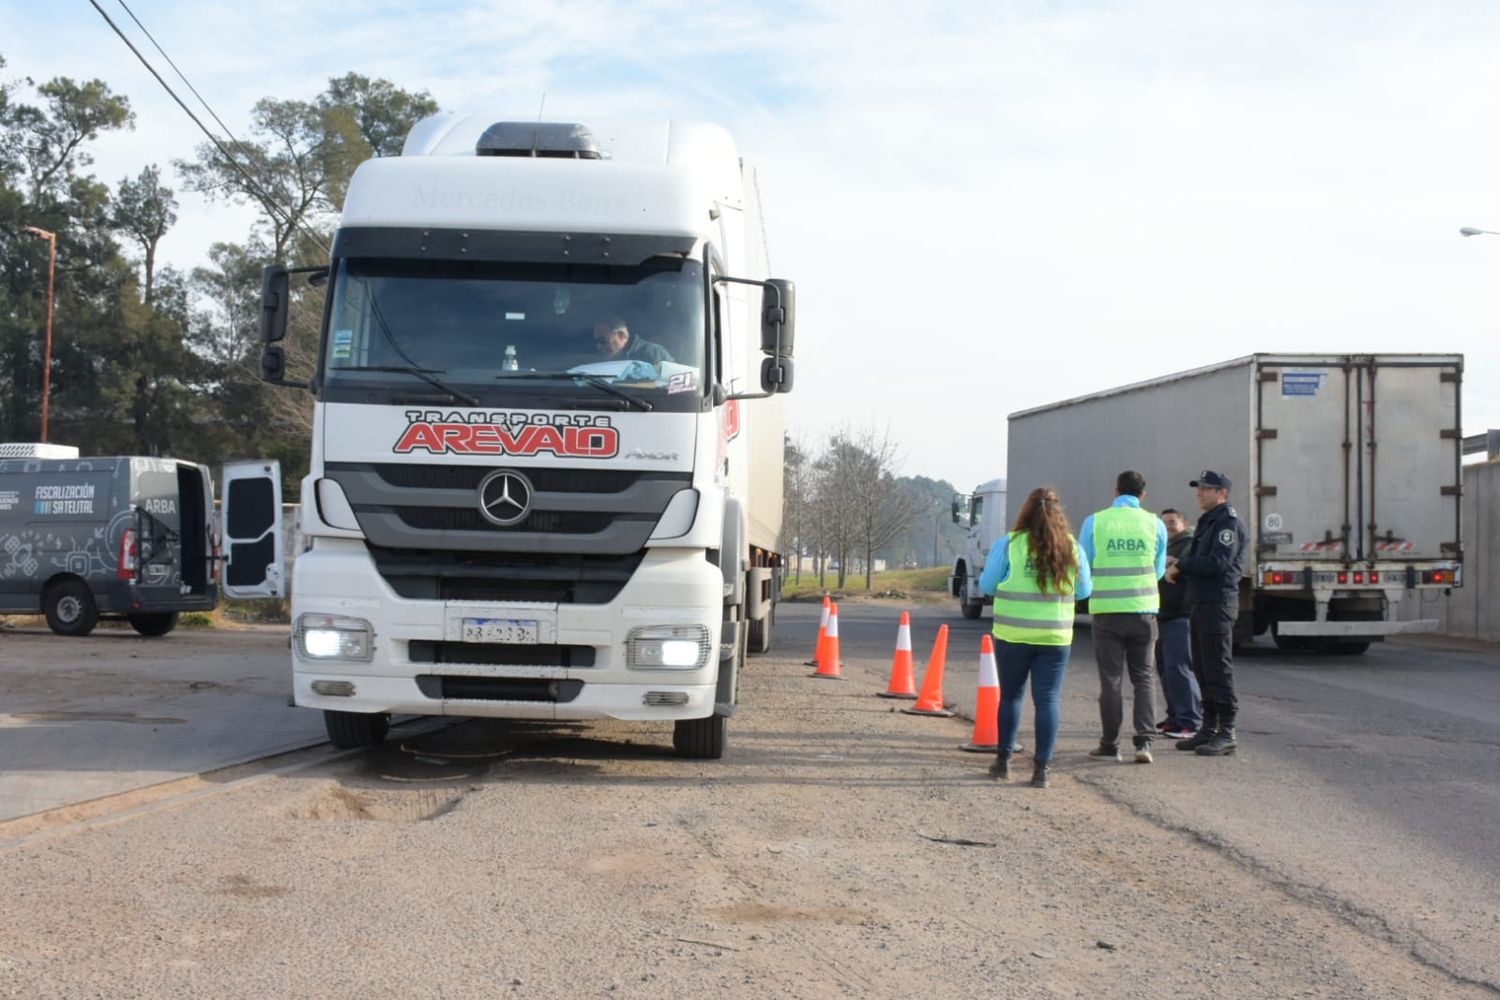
[{"x": 510, "y": 364}]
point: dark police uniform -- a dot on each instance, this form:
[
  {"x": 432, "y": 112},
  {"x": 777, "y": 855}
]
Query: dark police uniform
[{"x": 1213, "y": 566}]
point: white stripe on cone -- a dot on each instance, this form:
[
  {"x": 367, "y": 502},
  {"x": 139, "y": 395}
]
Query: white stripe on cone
[
  {"x": 989, "y": 677},
  {"x": 903, "y": 638}
]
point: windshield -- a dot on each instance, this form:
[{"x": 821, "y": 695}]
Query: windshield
[{"x": 485, "y": 333}]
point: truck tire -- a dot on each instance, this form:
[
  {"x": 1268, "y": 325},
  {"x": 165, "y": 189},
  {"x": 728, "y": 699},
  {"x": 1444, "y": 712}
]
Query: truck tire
[
  {"x": 351, "y": 730},
  {"x": 700, "y": 739},
  {"x": 1289, "y": 643},
  {"x": 1350, "y": 647},
  {"x": 971, "y": 610},
  {"x": 157, "y": 623},
  {"x": 760, "y": 633},
  {"x": 70, "y": 608}
]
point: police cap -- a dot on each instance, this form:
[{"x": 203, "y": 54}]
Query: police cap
[{"x": 1210, "y": 478}]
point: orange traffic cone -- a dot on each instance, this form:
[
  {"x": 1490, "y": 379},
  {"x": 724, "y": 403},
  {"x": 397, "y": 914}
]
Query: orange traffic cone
[
  {"x": 986, "y": 704},
  {"x": 930, "y": 701},
  {"x": 903, "y": 685},
  {"x": 822, "y": 630},
  {"x": 828, "y": 660}
]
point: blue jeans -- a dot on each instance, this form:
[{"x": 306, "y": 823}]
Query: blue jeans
[
  {"x": 1044, "y": 666},
  {"x": 1175, "y": 664}
]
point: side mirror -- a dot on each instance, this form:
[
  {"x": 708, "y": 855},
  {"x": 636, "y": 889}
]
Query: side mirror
[
  {"x": 272, "y": 364},
  {"x": 778, "y": 306},
  {"x": 275, "y": 285},
  {"x": 776, "y": 374},
  {"x": 955, "y": 510}
]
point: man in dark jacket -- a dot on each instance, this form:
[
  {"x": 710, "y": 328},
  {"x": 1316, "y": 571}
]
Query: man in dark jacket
[
  {"x": 1174, "y": 656},
  {"x": 1212, "y": 567}
]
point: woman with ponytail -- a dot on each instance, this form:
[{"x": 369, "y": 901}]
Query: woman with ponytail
[{"x": 1036, "y": 572}]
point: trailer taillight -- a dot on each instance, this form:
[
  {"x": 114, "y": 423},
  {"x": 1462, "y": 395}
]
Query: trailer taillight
[
  {"x": 1359, "y": 577},
  {"x": 1343, "y": 578},
  {"x": 129, "y": 555},
  {"x": 1437, "y": 576},
  {"x": 1374, "y": 576}
]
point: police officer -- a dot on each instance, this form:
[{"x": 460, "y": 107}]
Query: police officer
[{"x": 1212, "y": 567}]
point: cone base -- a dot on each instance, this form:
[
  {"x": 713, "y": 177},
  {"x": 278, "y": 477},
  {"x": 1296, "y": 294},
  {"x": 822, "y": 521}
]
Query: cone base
[
  {"x": 897, "y": 694},
  {"x": 941, "y": 713},
  {"x": 980, "y": 747},
  {"x": 810, "y": 663},
  {"x": 829, "y": 677}
]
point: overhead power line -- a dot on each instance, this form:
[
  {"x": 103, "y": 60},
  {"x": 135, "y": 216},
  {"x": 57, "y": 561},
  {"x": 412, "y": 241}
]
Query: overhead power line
[
  {"x": 250, "y": 180},
  {"x": 180, "y": 75}
]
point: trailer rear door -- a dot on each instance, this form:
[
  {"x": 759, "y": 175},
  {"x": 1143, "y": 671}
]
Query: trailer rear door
[{"x": 1358, "y": 458}]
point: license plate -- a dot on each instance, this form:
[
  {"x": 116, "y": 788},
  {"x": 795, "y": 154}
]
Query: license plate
[{"x": 513, "y": 630}]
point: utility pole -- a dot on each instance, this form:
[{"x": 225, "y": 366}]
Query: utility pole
[{"x": 51, "y": 239}]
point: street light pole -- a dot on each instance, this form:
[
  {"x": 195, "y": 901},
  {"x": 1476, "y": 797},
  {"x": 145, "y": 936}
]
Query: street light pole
[{"x": 51, "y": 239}]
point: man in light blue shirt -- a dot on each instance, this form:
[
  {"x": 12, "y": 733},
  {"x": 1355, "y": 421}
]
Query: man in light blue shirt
[{"x": 1126, "y": 548}]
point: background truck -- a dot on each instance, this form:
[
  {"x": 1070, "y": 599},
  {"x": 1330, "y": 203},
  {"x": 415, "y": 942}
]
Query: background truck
[
  {"x": 985, "y": 518},
  {"x": 114, "y": 537},
  {"x": 499, "y": 520},
  {"x": 1346, "y": 470}
]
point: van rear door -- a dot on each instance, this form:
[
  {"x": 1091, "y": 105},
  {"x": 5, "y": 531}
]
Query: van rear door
[{"x": 253, "y": 546}]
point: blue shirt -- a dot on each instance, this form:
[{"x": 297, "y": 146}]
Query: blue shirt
[
  {"x": 997, "y": 570},
  {"x": 1086, "y": 535}
]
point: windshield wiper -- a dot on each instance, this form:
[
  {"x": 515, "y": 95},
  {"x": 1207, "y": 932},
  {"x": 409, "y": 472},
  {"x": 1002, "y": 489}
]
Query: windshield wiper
[
  {"x": 428, "y": 375},
  {"x": 597, "y": 381}
]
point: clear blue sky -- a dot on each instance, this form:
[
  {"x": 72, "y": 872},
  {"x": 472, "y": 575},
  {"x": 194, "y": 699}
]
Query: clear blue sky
[{"x": 986, "y": 206}]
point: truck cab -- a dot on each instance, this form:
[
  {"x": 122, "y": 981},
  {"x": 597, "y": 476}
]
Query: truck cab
[
  {"x": 983, "y": 511},
  {"x": 545, "y": 474}
]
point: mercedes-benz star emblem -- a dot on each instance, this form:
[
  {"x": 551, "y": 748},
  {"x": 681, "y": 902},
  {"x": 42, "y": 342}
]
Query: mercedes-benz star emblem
[{"x": 505, "y": 497}]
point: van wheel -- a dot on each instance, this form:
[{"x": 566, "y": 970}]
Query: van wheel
[
  {"x": 159, "y": 623},
  {"x": 351, "y": 730},
  {"x": 700, "y": 739},
  {"x": 971, "y": 609},
  {"x": 70, "y": 609}
]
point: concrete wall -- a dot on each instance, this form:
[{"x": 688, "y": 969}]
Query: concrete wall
[{"x": 1472, "y": 611}]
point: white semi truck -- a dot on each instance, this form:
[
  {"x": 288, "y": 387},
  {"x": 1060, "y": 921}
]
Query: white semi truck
[
  {"x": 983, "y": 511},
  {"x": 1346, "y": 470},
  {"x": 502, "y": 518}
]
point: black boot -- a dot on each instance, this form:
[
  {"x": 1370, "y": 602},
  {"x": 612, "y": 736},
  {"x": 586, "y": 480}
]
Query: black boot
[
  {"x": 1223, "y": 743},
  {"x": 1206, "y": 733},
  {"x": 1039, "y": 775},
  {"x": 1000, "y": 769}
]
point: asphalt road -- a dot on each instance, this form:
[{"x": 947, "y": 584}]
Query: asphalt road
[{"x": 1366, "y": 784}]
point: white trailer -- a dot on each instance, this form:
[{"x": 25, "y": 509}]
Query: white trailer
[
  {"x": 983, "y": 513},
  {"x": 499, "y": 520},
  {"x": 1346, "y": 469}
]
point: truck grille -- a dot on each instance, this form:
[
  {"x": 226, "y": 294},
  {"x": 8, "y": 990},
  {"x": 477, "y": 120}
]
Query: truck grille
[
  {"x": 560, "y": 578},
  {"x": 574, "y": 512}
]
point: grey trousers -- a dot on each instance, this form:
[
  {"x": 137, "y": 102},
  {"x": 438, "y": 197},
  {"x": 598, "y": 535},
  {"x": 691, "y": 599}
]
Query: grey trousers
[{"x": 1126, "y": 643}]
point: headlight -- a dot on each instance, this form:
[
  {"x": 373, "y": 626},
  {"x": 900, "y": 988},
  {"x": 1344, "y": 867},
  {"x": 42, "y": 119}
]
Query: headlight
[
  {"x": 334, "y": 637},
  {"x": 667, "y": 647}
]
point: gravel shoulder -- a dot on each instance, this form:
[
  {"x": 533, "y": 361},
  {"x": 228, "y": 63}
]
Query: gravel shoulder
[{"x": 533, "y": 860}]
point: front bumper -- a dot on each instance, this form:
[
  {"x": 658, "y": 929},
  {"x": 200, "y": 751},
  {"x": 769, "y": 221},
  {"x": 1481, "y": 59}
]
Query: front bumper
[{"x": 670, "y": 587}]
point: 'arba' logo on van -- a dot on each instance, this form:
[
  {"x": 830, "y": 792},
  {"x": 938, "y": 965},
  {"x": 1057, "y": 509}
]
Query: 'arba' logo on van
[{"x": 521, "y": 434}]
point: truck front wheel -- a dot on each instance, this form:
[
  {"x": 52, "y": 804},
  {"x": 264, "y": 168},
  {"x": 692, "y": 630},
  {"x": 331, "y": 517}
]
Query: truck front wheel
[
  {"x": 70, "y": 609},
  {"x": 352, "y": 730},
  {"x": 971, "y": 609},
  {"x": 700, "y": 739}
]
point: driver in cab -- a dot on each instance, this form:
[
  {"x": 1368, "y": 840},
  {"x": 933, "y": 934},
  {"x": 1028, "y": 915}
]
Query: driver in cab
[{"x": 613, "y": 341}]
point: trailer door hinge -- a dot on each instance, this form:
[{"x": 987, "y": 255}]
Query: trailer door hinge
[
  {"x": 1453, "y": 491},
  {"x": 1451, "y": 434},
  {"x": 1266, "y": 432},
  {"x": 1265, "y": 491}
]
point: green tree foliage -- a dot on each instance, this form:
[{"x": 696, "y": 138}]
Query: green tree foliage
[{"x": 146, "y": 359}]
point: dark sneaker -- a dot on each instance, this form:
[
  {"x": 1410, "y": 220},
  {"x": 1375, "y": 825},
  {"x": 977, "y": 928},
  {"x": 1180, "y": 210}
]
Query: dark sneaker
[
  {"x": 1176, "y": 732},
  {"x": 1143, "y": 754},
  {"x": 1222, "y": 745},
  {"x": 1106, "y": 750},
  {"x": 1039, "y": 776},
  {"x": 1000, "y": 769},
  {"x": 1164, "y": 725},
  {"x": 1199, "y": 738}
]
